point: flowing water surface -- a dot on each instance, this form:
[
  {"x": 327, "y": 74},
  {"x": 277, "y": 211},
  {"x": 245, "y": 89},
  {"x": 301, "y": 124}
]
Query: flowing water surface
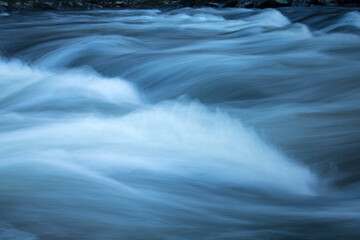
[{"x": 182, "y": 124}]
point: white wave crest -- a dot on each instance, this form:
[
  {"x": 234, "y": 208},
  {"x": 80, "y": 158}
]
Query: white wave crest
[
  {"x": 268, "y": 17},
  {"x": 176, "y": 139},
  {"x": 349, "y": 19},
  {"x": 25, "y": 86}
]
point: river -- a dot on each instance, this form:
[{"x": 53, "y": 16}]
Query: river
[{"x": 180, "y": 124}]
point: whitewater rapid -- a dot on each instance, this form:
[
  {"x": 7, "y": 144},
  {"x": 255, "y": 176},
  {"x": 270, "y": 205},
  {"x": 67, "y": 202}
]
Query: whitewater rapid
[{"x": 182, "y": 124}]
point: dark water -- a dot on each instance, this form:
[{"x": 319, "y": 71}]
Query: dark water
[{"x": 186, "y": 124}]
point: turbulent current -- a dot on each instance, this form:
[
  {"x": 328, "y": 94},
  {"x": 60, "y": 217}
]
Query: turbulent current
[{"x": 182, "y": 124}]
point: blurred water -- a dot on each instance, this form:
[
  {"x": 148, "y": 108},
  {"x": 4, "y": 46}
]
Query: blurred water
[{"x": 182, "y": 124}]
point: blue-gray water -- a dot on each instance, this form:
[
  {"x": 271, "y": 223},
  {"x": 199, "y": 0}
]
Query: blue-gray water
[{"x": 183, "y": 124}]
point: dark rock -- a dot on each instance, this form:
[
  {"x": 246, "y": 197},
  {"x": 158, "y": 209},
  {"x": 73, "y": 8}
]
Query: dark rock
[
  {"x": 214, "y": 5},
  {"x": 9, "y": 5},
  {"x": 44, "y": 5},
  {"x": 246, "y": 4},
  {"x": 231, "y": 3},
  {"x": 272, "y": 3},
  {"x": 3, "y": 6}
]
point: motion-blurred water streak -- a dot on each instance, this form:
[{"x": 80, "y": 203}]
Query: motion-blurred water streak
[{"x": 181, "y": 124}]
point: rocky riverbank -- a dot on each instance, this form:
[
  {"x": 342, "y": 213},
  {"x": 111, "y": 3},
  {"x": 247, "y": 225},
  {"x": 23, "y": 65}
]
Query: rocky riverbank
[{"x": 14, "y": 5}]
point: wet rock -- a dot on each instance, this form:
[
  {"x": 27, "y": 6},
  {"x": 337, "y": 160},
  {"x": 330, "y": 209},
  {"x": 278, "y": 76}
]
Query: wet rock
[
  {"x": 272, "y": 3},
  {"x": 46, "y": 5},
  {"x": 4, "y": 4},
  {"x": 263, "y": 3},
  {"x": 214, "y": 5},
  {"x": 120, "y": 3},
  {"x": 8, "y": 5},
  {"x": 79, "y": 4}
]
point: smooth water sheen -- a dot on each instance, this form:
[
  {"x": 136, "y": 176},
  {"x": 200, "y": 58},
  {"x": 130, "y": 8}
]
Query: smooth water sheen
[{"x": 182, "y": 124}]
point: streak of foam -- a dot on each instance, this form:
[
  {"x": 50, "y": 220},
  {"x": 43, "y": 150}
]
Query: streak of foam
[
  {"x": 269, "y": 17},
  {"x": 25, "y": 86},
  {"x": 177, "y": 139},
  {"x": 349, "y": 19}
]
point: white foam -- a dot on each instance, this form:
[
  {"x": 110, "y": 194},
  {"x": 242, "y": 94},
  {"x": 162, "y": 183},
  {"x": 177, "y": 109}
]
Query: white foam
[
  {"x": 177, "y": 139},
  {"x": 34, "y": 84},
  {"x": 268, "y": 17},
  {"x": 352, "y": 18},
  {"x": 199, "y": 17},
  {"x": 349, "y": 19}
]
